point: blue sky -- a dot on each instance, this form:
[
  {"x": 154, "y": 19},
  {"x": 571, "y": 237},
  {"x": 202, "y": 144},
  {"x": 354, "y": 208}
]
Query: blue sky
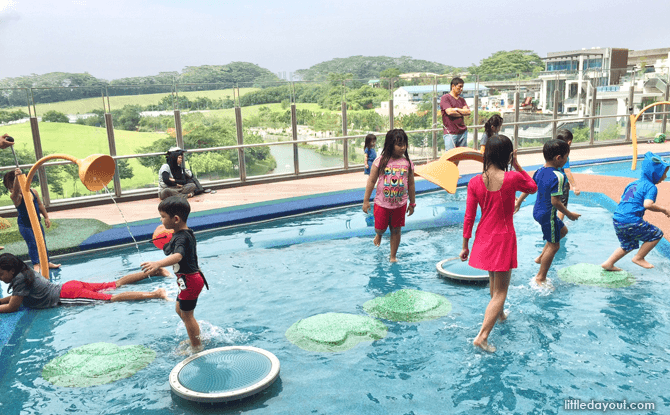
[{"x": 125, "y": 38}]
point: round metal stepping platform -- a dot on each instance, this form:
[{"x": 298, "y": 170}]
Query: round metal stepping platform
[
  {"x": 224, "y": 374},
  {"x": 456, "y": 269}
]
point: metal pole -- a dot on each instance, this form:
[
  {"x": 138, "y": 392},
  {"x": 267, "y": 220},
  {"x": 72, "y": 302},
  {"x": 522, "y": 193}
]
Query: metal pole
[
  {"x": 345, "y": 142},
  {"x": 177, "y": 119},
  {"x": 240, "y": 141},
  {"x": 37, "y": 143},
  {"x": 434, "y": 124},
  {"x": 665, "y": 107},
  {"x": 631, "y": 96},
  {"x": 592, "y": 121},
  {"x": 294, "y": 128},
  {"x": 516, "y": 120},
  {"x": 391, "y": 104},
  {"x": 554, "y": 123},
  {"x": 476, "y": 114},
  {"x": 109, "y": 125}
]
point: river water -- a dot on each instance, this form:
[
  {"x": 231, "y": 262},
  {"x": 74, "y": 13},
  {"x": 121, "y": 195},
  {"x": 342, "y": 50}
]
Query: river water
[{"x": 308, "y": 159}]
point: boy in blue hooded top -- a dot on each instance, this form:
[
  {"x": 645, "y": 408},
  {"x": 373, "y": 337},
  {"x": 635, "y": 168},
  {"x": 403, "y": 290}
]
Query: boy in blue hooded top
[{"x": 629, "y": 226}]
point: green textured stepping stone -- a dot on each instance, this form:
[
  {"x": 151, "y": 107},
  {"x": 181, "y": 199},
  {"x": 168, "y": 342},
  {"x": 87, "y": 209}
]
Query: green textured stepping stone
[
  {"x": 97, "y": 364},
  {"x": 408, "y": 305},
  {"x": 596, "y": 276},
  {"x": 334, "y": 332}
]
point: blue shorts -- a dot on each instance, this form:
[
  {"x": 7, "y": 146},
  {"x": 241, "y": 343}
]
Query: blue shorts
[
  {"x": 630, "y": 234},
  {"x": 551, "y": 228},
  {"x": 455, "y": 140}
]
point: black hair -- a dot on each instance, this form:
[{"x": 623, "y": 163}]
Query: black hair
[
  {"x": 394, "y": 136},
  {"x": 8, "y": 180},
  {"x": 497, "y": 152},
  {"x": 564, "y": 135},
  {"x": 368, "y": 140},
  {"x": 456, "y": 81},
  {"x": 176, "y": 170},
  {"x": 175, "y": 206},
  {"x": 553, "y": 148},
  {"x": 495, "y": 121},
  {"x": 9, "y": 262}
]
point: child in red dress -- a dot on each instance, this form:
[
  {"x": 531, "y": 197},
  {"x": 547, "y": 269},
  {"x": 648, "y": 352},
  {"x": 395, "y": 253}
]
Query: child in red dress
[{"x": 494, "y": 248}]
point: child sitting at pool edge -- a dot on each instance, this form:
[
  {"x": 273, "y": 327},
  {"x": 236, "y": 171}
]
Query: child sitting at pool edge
[
  {"x": 550, "y": 180},
  {"x": 629, "y": 225},
  {"x": 394, "y": 187},
  {"x": 182, "y": 255}
]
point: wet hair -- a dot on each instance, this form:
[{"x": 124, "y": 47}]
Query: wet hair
[
  {"x": 369, "y": 139},
  {"x": 497, "y": 152},
  {"x": 175, "y": 206},
  {"x": 8, "y": 180},
  {"x": 176, "y": 170},
  {"x": 394, "y": 137},
  {"x": 456, "y": 81},
  {"x": 564, "y": 135},
  {"x": 9, "y": 262},
  {"x": 553, "y": 148},
  {"x": 495, "y": 121}
]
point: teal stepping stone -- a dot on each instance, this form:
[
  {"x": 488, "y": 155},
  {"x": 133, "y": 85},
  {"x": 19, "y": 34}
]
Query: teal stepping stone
[
  {"x": 97, "y": 364},
  {"x": 334, "y": 332},
  {"x": 595, "y": 276},
  {"x": 408, "y": 305}
]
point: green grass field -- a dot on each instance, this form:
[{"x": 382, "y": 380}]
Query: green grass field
[{"x": 83, "y": 106}]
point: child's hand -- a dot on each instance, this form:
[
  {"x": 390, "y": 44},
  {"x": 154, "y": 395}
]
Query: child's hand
[
  {"x": 18, "y": 171},
  {"x": 366, "y": 206},
  {"x": 517, "y": 205},
  {"x": 515, "y": 162},
  {"x": 47, "y": 223},
  {"x": 410, "y": 209},
  {"x": 666, "y": 212},
  {"x": 150, "y": 267},
  {"x": 573, "y": 215},
  {"x": 465, "y": 252},
  {"x": 576, "y": 190}
]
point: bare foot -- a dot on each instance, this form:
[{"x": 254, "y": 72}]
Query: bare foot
[
  {"x": 540, "y": 281},
  {"x": 503, "y": 315},
  {"x": 610, "y": 267},
  {"x": 378, "y": 240},
  {"x": 642, "y": 262},
  {"x": 161, "y": 293},
  {"x": 393, "y": 259},
  {"x": 484, "y": 345},
  {"x": 53, "y": 266}
]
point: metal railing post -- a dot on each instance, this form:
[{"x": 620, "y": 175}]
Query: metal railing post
[
  {"x": 434, "y": 125},
  {"x": 294, "y": 128},
  {"x": 592, "y": 121},
  {"x": 111, "y": 141},
  {"x": 554, "y": 122},
  {"x": 631, "y": 96},
  {"x": 345, "y": 142},
  {"x": 516, "y": 120},
  {"x": 666, "y": 107},
  {"x": 177, "y": 118},
  {"x": 391, "y": 104},
  {"x": 475, "y": 117},
  {"x": 240, "y": 141},
  {"x": 37, "y": 144}
]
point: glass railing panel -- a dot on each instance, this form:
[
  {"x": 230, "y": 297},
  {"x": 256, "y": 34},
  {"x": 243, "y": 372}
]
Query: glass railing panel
[
  {"x": 143, "y": 120},
  {"x": 14, "y": 121}
]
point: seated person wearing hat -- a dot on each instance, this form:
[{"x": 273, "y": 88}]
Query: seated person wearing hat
[{"x": 174, "y": 180}]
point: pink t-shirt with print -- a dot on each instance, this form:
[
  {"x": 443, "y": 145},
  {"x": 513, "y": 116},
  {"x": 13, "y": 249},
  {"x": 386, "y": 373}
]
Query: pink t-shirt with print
[{"x": 392, "y": 183}]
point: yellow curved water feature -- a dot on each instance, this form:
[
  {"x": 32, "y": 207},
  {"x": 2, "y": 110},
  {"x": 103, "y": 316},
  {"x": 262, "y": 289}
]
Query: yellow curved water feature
[{"x": 444, "y": 172}]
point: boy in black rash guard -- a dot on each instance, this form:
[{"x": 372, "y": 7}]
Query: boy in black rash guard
[{"x": 181, "y": 254}]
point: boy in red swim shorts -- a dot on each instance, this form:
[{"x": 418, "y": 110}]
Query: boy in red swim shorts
[{"x": 182, "y": 255}]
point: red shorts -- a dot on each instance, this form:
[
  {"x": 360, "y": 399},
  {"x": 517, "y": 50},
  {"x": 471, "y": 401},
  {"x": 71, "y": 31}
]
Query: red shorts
[
  {"x": 193, "y": 284},
  {"x": 385, "y": 217},
  {"x": 89, "y": 290}
]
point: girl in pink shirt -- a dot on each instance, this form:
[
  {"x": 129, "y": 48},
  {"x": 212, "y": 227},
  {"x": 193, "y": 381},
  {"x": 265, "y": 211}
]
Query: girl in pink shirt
[
  {"x": 494, "y": 248},
  {"x": 394, "y": 174}
]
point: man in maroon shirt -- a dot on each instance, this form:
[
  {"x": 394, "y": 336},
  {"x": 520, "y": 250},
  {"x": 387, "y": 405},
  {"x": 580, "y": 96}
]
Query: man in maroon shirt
[{"x": 454, "y": 109}]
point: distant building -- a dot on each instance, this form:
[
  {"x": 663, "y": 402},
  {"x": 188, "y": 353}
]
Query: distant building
[
  {"x": 415, "y": 94},
  {"x": 653, "y": 60},
  {"x": 567, "y": 73},
  {"x": 412, "y": 75}
]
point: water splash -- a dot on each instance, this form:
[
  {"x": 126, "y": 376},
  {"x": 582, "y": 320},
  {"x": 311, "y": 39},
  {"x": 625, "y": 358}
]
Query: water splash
[{"x": 127, "y": 226}]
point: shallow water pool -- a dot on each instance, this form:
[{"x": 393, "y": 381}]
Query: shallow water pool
[{"x": 575, "y": 343}]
